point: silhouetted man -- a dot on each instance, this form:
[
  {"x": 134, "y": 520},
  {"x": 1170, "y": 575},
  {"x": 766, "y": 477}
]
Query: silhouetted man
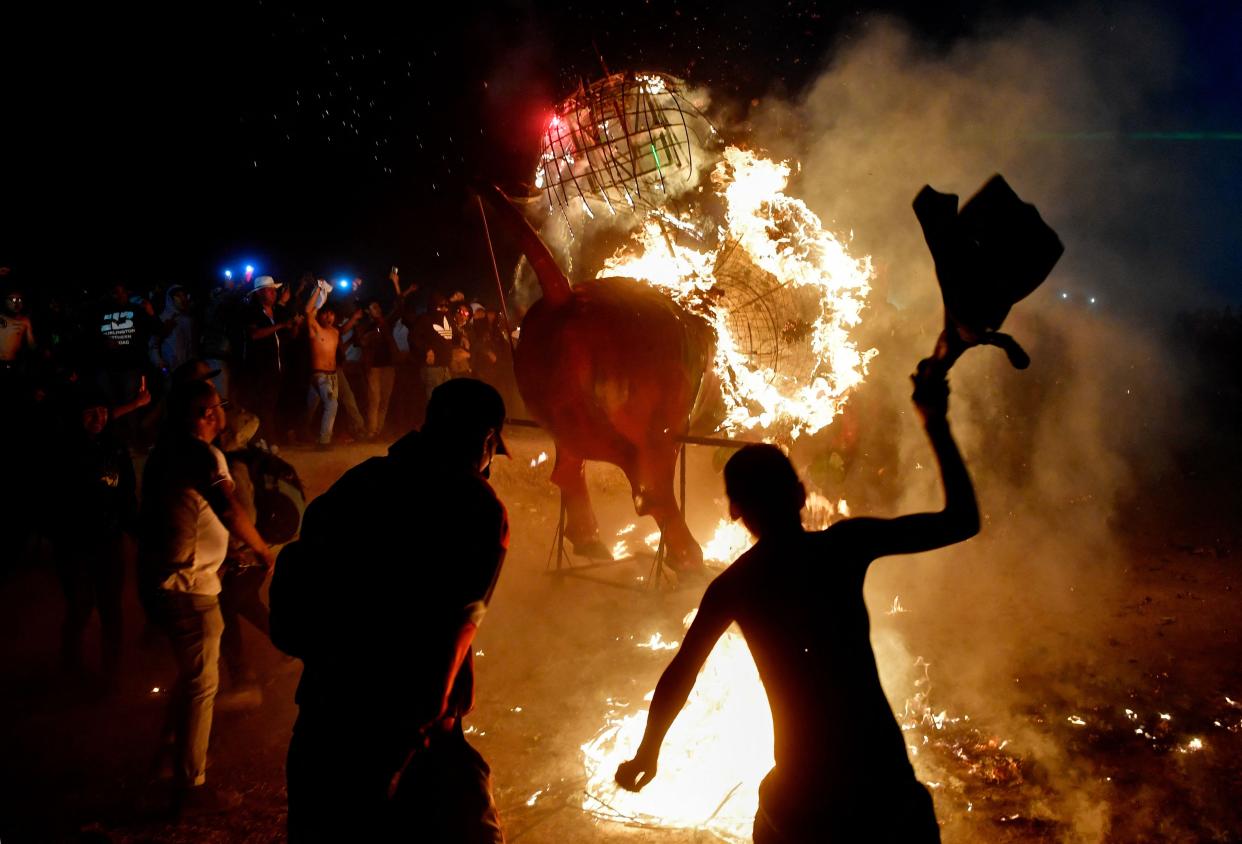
[
  {"x": 382, "y": 617},
  {"x": 841, "y": 770},
  {"x": 189, "y": 509}
]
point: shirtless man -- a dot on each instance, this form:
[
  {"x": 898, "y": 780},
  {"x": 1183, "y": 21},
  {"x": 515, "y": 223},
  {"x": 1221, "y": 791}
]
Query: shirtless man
[
  {"x": 15, "y": 330},
  {"x": 841, "y": 770},
  {"x": 324, "y": 339}
]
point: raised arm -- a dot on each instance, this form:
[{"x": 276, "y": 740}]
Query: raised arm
[
  {"x": 314, "y": 303},
  {"x": 709, "y": 624},
  {"x": 959, "y": 520}
]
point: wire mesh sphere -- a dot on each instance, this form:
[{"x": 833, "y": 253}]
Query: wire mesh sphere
[
  {"x": 770, "y": 321},
  {"x": 626, "y": 142}
]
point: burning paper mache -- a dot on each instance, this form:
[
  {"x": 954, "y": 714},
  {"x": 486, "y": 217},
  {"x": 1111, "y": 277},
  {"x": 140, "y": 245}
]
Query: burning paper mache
[{"x": 722, "y": 307}]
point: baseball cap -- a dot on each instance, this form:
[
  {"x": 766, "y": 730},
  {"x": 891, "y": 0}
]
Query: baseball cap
[{"x": 467, "y": 404}]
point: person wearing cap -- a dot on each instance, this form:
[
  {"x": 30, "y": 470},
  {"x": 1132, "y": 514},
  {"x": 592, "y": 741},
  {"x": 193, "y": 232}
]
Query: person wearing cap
[
  {"x": 383, "y": 620},
  {"x": 263, "y": 362},
  {"x": 432, "y": 338}
]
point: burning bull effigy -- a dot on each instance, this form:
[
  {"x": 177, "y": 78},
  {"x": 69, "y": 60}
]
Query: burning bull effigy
[{"x": 727, "y": 308}]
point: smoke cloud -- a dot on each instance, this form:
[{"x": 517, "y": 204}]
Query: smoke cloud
[{"x": 1053, "y": 449}]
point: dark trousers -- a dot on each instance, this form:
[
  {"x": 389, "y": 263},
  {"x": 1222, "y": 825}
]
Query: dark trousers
[
  {"x": 348, "y": 782},
  {"x": 261, "y": 397},
  {"x": 91, "y": 578},
  {"x": 902, "y": 813},
  {"x": 239, "y": 598}
]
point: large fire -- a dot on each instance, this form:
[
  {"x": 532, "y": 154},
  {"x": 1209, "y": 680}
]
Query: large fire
[
  {"x": 720, "y": 746},
  {"x": 777, "y": 236},
  {"x": 714, "y": 756},
  {"x": 782, "y": 295}
]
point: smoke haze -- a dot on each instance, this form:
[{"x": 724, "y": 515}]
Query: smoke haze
[{"x": 1053, "y": 448}]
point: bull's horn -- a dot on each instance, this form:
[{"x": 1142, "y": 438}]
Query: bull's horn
[{"x": 552, "y": 281}]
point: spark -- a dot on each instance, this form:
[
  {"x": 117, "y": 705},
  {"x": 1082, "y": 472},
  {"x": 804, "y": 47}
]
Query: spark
[
  {"x": 1192, "y": 746},
  {"x": 657, "y": 643}
]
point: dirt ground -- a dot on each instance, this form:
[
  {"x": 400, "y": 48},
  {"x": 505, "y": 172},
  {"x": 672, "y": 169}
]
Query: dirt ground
[{"x": 1124, "y": 723}]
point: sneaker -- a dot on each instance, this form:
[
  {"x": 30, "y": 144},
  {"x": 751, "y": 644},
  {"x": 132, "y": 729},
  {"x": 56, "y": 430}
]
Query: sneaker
[{"x": 204, "y": 800}]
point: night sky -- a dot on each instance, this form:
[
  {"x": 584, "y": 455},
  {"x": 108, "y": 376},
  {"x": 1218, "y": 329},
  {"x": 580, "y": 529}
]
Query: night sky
[{"x": 165, "y": 145}]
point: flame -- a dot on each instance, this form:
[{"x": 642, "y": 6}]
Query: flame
[
  {"x": 657, "y": 643},
  {"x": 728, "y": 543},
  {"x": 540, "y": 460},
  {"x": 781, "y": 236},
  {"x": 705, "y": 782}
]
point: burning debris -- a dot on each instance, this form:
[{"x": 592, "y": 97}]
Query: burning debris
[{"x": 781, "y": 293}]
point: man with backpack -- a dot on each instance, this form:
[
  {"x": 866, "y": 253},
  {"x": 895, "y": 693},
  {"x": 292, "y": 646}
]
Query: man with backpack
[{"x": 378, "y": 751}]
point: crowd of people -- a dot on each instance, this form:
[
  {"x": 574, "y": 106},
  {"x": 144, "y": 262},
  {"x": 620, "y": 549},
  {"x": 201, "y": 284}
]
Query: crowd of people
[
  {"x": 395, "y": 764},
  {"x": 198, "y": 389},
  {"x": 295, "y": 354}
]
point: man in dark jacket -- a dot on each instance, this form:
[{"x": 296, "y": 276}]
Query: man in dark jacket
[
  {"x": 433, "y": 337},
  {"x": 383, "y": 621}
]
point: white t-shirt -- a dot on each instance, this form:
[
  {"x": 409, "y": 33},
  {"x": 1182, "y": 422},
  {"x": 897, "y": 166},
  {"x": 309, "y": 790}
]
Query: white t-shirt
[{"x": 188, "y": 542}]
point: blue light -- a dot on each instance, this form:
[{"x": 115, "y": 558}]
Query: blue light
[
  {"x": 249, "y": 269},
  {"x": 343, "y": 284},
  {"x": 228, "y": 274}
]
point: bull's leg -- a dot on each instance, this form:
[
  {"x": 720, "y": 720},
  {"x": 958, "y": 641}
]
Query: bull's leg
[
  {"x": 652, "y": 484},
  {"x": 581, "y": 528}
]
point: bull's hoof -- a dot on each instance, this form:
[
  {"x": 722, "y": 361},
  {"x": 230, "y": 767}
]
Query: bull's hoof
[{"x": 592, "y": 549}]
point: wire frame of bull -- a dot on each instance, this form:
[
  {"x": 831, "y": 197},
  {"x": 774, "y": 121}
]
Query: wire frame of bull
[
  {"x": 625, "y": 143},
  {"x": 770, "y": 320}
]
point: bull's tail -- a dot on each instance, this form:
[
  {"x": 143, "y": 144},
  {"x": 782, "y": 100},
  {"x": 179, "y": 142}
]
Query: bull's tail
[{"x": 552, "y": 281}]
